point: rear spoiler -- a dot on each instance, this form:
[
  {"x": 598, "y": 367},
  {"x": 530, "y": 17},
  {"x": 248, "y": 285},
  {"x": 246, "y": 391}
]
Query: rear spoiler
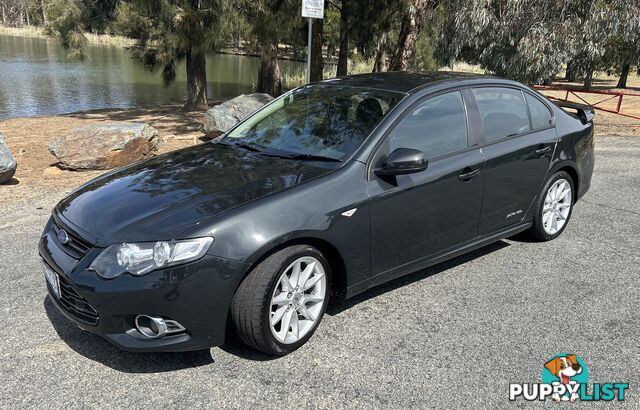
[{"x": 583, "y": 112}]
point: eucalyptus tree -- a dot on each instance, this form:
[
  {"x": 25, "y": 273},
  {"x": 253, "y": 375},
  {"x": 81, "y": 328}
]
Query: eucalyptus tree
[
  {"x": 622, "y": 45},
  {"x": 173, "y": 31},
  {"x": 524, "y": 40},
  {"x": 413, "y": 21}
]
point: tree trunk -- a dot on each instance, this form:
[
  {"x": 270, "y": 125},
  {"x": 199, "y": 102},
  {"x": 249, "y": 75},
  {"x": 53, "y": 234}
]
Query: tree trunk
[
  {"x": 570, "y": 75},
  {"x": 409, "y": 31},
  {"x": 26, "y": 13},
  {"x": 317, "y": 63},
  {"x": 45, "y": 19},
  {"x": 269, "y": 76},
  {"x": 588, "y": 79},
  {"x": 343, "y": 57},
  {"x": 196, "y": 81},
  {"x": 622, "y": 82},
  {"x": 381, "y": 55}
]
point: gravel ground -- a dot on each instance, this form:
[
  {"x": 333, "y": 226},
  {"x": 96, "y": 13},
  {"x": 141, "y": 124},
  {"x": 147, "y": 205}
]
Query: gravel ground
[{"x": 454, "y": 335}]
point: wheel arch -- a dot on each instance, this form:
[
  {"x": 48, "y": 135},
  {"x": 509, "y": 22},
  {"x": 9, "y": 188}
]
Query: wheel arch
[
  {"x": 573, "y": 173},
  {"x": 338, "y": 278}
]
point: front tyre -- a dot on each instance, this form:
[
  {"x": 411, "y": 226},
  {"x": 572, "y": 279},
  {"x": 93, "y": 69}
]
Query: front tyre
[
  {"x": 279, "y": 305},
  {"x": 553, "y": 207}
]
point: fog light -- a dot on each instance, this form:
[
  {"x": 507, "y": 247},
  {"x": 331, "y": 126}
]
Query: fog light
[{"x": 154, "y": 326}]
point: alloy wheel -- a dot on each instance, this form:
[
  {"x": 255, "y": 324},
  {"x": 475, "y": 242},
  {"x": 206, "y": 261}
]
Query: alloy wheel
[
  {"x": 297, "y": 300},
  {"x": 557, "y": 205}
]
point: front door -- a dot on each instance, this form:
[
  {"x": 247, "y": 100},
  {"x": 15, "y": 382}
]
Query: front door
[
  {"x": 519, "y": 139},
  {"x": 419, "y": 215}
]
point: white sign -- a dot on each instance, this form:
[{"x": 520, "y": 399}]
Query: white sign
[{"x": 313, "y": 9}]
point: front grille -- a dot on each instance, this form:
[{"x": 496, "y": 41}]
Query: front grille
[
  {"x": 75, "y": 246},
  {"x": 76, "y": 305}
]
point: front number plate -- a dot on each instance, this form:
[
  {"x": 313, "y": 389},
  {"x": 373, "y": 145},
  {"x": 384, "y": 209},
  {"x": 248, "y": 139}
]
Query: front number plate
[{"x": 52, "y": 280}]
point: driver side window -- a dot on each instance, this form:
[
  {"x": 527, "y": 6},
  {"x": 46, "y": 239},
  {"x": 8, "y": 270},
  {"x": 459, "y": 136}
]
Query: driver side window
[{"x": 437, "y": 126}]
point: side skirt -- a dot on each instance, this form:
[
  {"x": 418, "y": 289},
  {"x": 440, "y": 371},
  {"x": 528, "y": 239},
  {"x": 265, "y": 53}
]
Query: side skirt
[{"x": 425, "y": 262}]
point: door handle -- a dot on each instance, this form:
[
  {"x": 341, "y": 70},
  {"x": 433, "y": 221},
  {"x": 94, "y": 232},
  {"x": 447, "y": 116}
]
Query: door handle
[
  {"x": 542, "y": 151},
  {"x": 467, "y": 176}
]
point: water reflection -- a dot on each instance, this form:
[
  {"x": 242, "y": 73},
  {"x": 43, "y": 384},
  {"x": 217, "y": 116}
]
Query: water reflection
[{"x": 37, "y": 78}]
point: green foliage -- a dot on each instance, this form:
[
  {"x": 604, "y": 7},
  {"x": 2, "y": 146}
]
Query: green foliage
[
  {"x": 371, "y": 19},
  {"x": 530, "y": 40},
  {"x": 271, "y": 21},
  {"x": 423, "y": 59},
  {"x": 169, "y": 29},
  {"x": 66, "y": 23}
]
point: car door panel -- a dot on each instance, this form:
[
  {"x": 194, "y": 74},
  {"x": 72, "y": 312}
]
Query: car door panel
[
  {"x": 514, "y": 171},
  {"x": 419, "y": 215}
]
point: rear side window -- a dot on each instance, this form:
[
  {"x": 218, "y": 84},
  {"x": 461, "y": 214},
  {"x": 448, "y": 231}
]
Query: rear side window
[
  {"x": 540, "y": 114},
  {"x": 503, "y": 112},
  {"x": 437, "y": 126}
]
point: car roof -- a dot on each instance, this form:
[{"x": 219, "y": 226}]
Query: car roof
[{"x": 403, "y": 81}]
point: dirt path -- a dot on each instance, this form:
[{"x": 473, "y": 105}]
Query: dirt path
[{"x": 28, "y": 139}]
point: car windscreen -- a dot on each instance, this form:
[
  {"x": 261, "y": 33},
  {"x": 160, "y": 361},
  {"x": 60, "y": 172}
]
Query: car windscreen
[{"x": 319, "y": 121}]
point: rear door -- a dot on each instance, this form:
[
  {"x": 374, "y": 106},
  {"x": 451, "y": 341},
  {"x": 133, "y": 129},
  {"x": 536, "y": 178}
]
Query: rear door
[{"x": 518, "y": 137}]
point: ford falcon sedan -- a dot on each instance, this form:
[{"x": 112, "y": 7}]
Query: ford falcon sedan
[{"x": 331, "y": 189}]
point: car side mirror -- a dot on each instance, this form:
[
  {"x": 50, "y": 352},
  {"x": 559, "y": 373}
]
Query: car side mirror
[{"x": 403, "y": 161}]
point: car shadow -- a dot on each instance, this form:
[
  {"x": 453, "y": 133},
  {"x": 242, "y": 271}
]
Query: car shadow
[
  {"x": 98, "y": 349},
  {"x": 338, "y": 305},
  {"x": 523, "y": 237},
  {"x": 233, "y": 345}
]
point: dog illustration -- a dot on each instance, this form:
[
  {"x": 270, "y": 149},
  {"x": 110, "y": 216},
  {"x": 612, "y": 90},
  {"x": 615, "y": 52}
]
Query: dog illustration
[{"x": 564, "y": 368}]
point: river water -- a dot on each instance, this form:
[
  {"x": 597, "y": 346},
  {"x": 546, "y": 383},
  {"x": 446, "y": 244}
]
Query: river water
[{"x": 37, "y": 78}]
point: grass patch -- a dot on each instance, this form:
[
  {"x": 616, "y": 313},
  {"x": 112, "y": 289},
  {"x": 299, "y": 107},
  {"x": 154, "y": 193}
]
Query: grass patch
[
  {"x": 39, "y": 32},
  {"x": 27, "y": 31}
]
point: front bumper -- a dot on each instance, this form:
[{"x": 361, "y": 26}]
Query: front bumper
[{"x": 197, "y": 295}]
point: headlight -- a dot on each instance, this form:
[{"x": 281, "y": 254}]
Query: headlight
[{"x": 141, "y": 258}]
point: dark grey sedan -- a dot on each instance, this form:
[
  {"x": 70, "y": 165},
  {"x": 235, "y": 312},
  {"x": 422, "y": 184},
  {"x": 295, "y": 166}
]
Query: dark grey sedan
[{"x": 333, "y": 188}]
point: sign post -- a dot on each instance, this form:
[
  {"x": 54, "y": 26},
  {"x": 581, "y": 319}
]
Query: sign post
[{"x": 312, "y": 9}]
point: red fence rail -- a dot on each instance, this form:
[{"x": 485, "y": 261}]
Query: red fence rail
[{"x": 610, "y": 96}]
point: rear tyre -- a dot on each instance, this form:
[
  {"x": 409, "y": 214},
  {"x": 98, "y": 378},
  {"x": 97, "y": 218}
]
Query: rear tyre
[
  {"x": 280, "y": 304},
  {"x": 553, "y": 207}
]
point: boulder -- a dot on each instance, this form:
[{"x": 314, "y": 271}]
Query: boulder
[
  {"x": 224, "y": 116},
  {"x": 8, "y": 164},
  {"x": 105, "y": 146}
]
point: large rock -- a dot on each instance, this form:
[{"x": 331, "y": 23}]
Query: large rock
[
  {"x": 224, "y": 116},
  {"x": 8, "y": 164},
  {"x": 105, "y": 146}
]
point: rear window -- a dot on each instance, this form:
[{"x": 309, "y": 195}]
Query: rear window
[
  {"x": 540, "y": 114},
  {"x": 503, "y": 112}
]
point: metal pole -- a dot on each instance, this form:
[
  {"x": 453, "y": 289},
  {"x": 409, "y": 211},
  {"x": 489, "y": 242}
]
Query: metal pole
[{"x": 309, "y": 52}]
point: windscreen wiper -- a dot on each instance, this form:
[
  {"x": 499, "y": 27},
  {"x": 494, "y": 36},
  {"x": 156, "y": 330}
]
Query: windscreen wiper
[
  {"x": 244, "y": 145},
  {"x": 284, "y": 155},
  {"x": 303, "y": 157}
]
